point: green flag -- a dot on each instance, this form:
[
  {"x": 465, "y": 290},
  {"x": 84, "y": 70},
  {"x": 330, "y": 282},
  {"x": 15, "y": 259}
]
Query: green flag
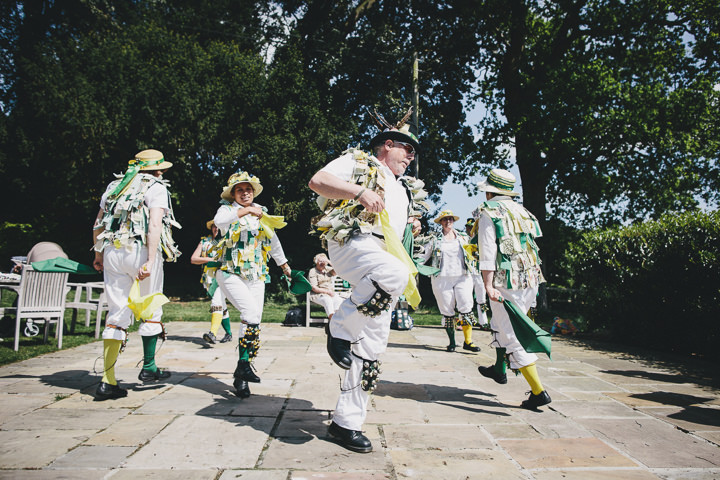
[{"x": 533, "y": 338}]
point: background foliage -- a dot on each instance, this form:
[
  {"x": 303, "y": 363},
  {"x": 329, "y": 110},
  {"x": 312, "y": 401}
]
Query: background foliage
[{"x": 653, "y": 284}]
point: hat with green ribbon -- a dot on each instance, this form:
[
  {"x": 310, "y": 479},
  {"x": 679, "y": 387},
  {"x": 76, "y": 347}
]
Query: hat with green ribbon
[
  {"x": 499, "y": 181},
  {"x": 297, "y": 283},
  {"x": 146, "y": 160},
  {"x": 237, "y": 178}
]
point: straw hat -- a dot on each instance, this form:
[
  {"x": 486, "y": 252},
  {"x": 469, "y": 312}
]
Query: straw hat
[
  {"x": 151, "y": 160},
  {"x": 240, "y": 177},
  {"x": 210, "y": 224},
  {"x": 446, "y": 213},
  {"x": 499, "y": 181}
]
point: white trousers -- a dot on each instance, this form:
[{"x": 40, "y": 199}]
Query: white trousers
[
  {"x": 503, "y": 333},
  {"x": 480, "y": 297},
  {"x": 121, "y": 266},
  {"x": 330, "y": 304},
  {"x": 362, "y": 260},
  {"x": 218, "y": 299},
  {"x": 248, "y": 296},
  {"x": 453, "y": 292}
]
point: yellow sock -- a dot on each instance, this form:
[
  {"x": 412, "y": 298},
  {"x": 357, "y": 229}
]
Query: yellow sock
[
  {"x": 215, "y": 322},
  {"x": 531, "y": 375},
  {"x": 111, "y": 349},
  {"x": 467, "y": 331}
]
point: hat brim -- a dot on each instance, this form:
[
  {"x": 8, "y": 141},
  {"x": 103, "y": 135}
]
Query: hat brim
[
  {"x": 227, "y": 191},
  {"x": 454, "y": 217},
  {"x": 210, "y": 224},
  {"x": 486, "y": 187},
  {"x": 160, "y": 166},
  {"x": 394, "y": 135}
]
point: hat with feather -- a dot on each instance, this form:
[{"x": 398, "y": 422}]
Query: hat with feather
[{"x": 399, "y": 132}]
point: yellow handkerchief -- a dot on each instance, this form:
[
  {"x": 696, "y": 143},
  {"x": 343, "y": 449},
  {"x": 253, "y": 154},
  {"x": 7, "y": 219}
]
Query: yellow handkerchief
[
  {"x": 271, "y": 222},
  {"x": 396, "y": 249},
  {"x": 144, "y": 307}
]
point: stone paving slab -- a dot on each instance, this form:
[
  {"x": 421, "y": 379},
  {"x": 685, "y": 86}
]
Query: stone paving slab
[{"x": 614, "y": 415}]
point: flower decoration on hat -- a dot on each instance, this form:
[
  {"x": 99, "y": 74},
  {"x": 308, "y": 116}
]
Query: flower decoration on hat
[
  {"x": 241, "y": 177},
  {"x": 445, "y": 214}
]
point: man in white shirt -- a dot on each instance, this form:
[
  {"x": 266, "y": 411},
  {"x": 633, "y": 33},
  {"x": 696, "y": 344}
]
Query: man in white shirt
[{"x": 358, "y": 332}]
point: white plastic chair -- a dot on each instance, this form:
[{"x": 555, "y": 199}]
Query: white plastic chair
[
  {"x": 41, "y": 297},
  {"x": 339, "y": 288},
  {"x": 94, "y": 301}
]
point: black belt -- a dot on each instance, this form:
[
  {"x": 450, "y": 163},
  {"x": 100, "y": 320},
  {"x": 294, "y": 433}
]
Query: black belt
[{"x": 381, "y": 237}]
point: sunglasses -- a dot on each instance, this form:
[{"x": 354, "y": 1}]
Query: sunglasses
[{"x": 409, "y": 149}]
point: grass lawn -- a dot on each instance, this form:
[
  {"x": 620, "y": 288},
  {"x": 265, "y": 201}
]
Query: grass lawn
[{"x": 176, "y": 311}]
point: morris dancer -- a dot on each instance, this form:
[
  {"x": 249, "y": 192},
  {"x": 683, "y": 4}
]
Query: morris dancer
[
  {"x": 132, "y": 227},
  {"x": 453, "y": 284},
  {"x": 360, "y": 193},
  {"x": 243, "y": 255},
  {"x": 510, "y": 268},
  {"x": 218, "y": 307}
]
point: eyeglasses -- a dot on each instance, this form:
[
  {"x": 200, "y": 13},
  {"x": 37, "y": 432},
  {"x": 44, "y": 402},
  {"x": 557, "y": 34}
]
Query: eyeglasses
[{"x": 409, "y": 149}]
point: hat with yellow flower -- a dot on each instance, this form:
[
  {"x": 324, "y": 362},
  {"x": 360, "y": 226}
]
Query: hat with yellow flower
[
  {"x": 446, "y": 213},
  {"x": 237, "y": 178}
]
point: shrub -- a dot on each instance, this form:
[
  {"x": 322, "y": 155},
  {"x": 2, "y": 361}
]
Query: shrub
[{"x": 655, "y": 283}]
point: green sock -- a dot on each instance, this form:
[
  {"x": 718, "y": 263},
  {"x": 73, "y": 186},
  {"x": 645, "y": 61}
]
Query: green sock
[
  {"x": 500, "y": 360},
  {"x": 149, "y": 344},
  {"x": 226, "y": 325},
  {"x": 450, "y": 330}
]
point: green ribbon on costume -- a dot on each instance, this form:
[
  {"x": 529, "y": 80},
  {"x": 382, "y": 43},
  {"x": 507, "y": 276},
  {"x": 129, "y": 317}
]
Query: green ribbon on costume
[
  {"x": 533, "y": 338},
  {"x": 63, "y": 265},
  {"x": 134, "y": 167}
]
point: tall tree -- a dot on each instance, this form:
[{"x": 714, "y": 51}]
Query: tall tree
[{"x": 610, "y": 106}]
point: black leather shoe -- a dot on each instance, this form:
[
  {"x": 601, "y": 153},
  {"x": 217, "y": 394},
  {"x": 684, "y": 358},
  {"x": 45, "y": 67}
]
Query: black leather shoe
[
  {"x": 242, "y": 389},
  {"x": 471, "y": 346},
  {"x": 351, "y": 439},
  {"x": 244, "y": 371},
  {"x": 490, "y": 372},
  {"x": 226, "y": 338},
  {"x": 535, "y": 401},
  {"x": 210, "y": 338},
  {"x": 146, "y": 376},
  {"x": 450, "y": 348},
  {"x": 105, "y": 391},
  {"x": 339, "y": 351}
]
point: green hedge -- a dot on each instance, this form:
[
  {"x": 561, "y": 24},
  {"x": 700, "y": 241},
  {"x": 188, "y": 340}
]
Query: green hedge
[{"x": 655, "y": 284}]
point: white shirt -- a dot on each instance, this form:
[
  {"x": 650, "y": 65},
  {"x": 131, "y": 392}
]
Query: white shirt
[
  {"x": 396, "y": 197},
  {"x": 155, "y": 197}
]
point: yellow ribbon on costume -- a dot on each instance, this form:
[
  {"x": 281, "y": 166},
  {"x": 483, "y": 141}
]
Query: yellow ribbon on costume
[
  {"x": 271, "y": 222},
  {"x": 145, "y": 307},
  {"x": 396, "y": 249}
]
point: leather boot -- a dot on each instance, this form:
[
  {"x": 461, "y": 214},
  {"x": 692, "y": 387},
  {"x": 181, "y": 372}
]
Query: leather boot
[
  {"x": 339, "y": 350},
  {"x": 245, "y": 372},
  {"x": 351, "y": 439},
  {"x": 106, "y": 391},
  {"x": 242, "y": 389},
  {"x": 535, "y": 401}
]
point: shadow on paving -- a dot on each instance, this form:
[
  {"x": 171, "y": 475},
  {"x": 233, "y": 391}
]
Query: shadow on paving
[{"x": 691, "y": 369}]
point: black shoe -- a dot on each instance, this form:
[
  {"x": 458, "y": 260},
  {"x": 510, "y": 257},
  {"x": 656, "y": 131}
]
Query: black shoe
[
  {"x": 351, "y": 439},
  {"x": 244, "y": 371},
  {"x": 450, "y": 348},
  {"x": 535, "y": 401},
  {"x": 146, "y": 376},
  {"x": 242, "y": 389},
  {"x": 339, "y": 350},
  {"x": 106, "y": 391},
  {"x": 226, "y": 338},
  {"x": 209, "y": 337},
  {"x": 471, "y": 346},
  {"x": 490, "y": 372}
]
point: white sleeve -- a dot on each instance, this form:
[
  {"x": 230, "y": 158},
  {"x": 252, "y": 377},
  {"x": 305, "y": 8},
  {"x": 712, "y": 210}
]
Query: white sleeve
[
  {"x": 224, "y": 217},
  {"x": 427, "y": 250},
  {"x": 342, "y": 167},
  {"x": 486, "y": 244},
  {"x": 157, "y": 197},
  {"x": 276, "y": 251}
]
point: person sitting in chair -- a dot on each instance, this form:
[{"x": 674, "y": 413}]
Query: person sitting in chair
[{"x": 322, "y": 279}]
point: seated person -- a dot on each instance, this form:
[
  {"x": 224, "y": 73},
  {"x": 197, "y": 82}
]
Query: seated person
[
  {"x": 322, "y": 280},
  {"x": 42, "y": 251}
]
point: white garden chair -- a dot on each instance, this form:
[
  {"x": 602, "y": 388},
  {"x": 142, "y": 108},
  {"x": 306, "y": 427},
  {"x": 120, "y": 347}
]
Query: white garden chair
[
  {"x": 41, "y": 298},
  {"x": 339, "y": 288}
]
